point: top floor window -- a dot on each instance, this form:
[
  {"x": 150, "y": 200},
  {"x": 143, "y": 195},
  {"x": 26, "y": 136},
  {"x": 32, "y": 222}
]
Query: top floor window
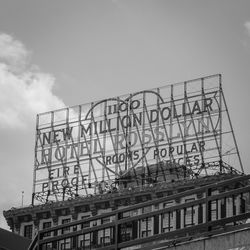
[
  {"x": 28, "y": 231},
  {"x": 66, "y": 229},
  {"x": 85, "y": 224},
  {"x": 47, "y": 225},
  {"x": 105, "y": 220},
  {"x": 189, "y": 213}
]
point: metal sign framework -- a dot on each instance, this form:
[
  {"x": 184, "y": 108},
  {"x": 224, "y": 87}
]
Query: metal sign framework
[{"x": 90, "y": 148}]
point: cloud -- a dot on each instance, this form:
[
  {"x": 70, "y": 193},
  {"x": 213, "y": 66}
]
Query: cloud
[
  {"x": 247, "y": 26},
  {"x": 13, "y": 52},
  {"x": 24, "y": 89}
]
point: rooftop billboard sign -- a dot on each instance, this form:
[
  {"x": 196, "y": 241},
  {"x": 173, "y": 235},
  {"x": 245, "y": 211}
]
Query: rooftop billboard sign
[{"x": 82, "y": 148}]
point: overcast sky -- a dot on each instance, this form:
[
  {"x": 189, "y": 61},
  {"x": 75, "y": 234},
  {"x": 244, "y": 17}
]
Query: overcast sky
[{"x": 62, "y": 53}]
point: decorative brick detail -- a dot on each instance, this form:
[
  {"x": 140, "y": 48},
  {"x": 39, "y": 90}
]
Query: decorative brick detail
[
  {"x": 132, "y": 200},
  {"x": 16, "y": 224},
  {"x": 10, "y": 223},
  {"x": 73, "y": 213},
  {"x": 54, "y": 216},
  {"x": 93, "y": 209},
  {"x": 221, "y": 189},
  {"x": 112, "y": 204},
  {"x": 177, "y": 200},
  {"x": 199, "y": 195},
  {"x": 35, "y": 219}
]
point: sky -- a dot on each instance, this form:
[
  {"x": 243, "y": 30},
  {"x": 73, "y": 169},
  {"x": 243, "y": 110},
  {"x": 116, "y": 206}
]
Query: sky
[{"x": 59, "y": 53}]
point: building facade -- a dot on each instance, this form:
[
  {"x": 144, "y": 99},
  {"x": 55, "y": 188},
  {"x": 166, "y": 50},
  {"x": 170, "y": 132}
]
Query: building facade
[{"x": 28, "y": 221}]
